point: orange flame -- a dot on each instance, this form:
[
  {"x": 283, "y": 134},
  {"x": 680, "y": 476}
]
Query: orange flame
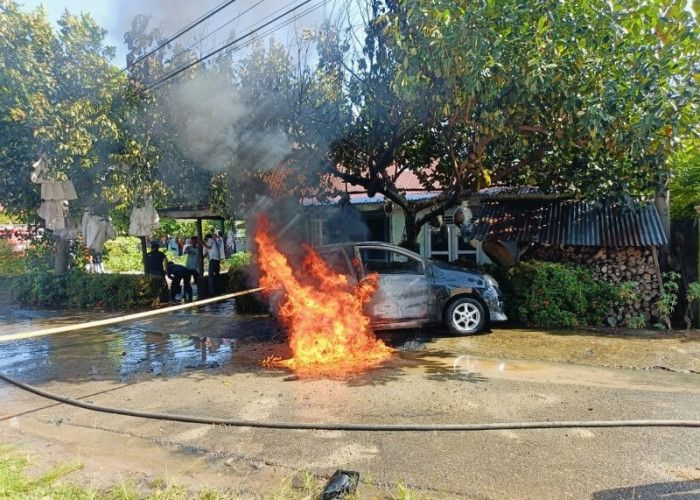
[{"x": 321, "y": 310}]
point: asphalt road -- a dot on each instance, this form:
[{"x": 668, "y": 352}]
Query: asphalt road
[{"x": 510, "y": 376}]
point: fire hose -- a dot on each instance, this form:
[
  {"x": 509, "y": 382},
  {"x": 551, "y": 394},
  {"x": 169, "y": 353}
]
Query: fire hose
[
  {"x": 121, "y": 319},
  {"x": 350, "y": 427},
  {"x": 300, "y": 425}
]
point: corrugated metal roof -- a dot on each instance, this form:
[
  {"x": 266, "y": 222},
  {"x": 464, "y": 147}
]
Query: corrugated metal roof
[
  {"x": 515, "y": 192},
  {"x": 569, "y": 222}
]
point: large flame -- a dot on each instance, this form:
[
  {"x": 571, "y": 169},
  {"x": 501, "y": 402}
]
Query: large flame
[{"x": 321, "y": 310}]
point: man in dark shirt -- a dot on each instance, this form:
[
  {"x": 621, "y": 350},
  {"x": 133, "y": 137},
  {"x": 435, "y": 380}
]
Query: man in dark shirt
[
  {"x": 178, "y": 274},
  {"x": 156, "y": 261}
]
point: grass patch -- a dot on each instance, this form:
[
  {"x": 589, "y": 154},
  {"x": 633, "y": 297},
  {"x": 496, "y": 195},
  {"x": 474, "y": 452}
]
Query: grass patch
[{"x": 16, "y": 482}]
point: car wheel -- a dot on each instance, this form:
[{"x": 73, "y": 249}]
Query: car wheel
[{"x": 465, "y": 316}]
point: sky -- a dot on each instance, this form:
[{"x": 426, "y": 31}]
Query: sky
[{"x": 173, "y": 15}]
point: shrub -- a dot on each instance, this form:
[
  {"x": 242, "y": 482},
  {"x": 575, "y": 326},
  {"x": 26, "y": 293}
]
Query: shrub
[
  {"x": 558, "y": 295},
  {"x": 44, "y": 288},
  {"x": 10, "y": 261},
  {"x": 692, "y": 297},
  {"x": 123, "y": 254},
  {"x": 668, "y": 299},
  {"x": 239, "y": 259},
  {"x": 239, "y": 279},
  {"x": 114, "y": 291},
  {"x": 82, "y": 290},
  {"x": 40, "y": 256},
  {"x": 10, "y": 289}
]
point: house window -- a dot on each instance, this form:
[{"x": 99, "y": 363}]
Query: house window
[
  {"x": 447, "y": 243},
  {"x": 377, "y": 224}
]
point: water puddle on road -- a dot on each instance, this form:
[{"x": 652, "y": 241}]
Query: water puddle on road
[
  {"x": 448, "y": 366},
  {"x": 215, "y": 337},
  {"x": 160, "y": 346}
]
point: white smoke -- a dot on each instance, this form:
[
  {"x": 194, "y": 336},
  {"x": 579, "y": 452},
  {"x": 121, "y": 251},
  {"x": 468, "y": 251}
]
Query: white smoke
[{"x": 218, "y": 133}]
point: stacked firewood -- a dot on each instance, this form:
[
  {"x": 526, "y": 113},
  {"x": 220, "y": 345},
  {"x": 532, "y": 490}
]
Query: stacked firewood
[{"x": 615, "y": 266}]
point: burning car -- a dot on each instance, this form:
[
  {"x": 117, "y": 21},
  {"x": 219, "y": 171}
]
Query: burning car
[{"x": 413, "y": 291}]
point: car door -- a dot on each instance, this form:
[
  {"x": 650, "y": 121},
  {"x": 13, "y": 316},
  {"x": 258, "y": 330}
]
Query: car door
[{"x": 403, "y": 287}]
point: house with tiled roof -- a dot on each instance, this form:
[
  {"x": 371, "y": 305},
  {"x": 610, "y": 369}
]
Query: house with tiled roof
[
  {"x": 502, "y": 222},
  {"x": 342, "y": 211}
]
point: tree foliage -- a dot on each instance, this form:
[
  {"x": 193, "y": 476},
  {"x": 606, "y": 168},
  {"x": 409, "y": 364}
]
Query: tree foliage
[
  {"x": 59, "y": 93},
  {"x": 589, "y": 98},
  {"x": 597, "y": 99}
]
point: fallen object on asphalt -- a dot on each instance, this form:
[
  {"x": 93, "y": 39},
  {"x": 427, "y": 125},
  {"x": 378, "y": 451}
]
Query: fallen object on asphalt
[{"x": 341, "y": 483}]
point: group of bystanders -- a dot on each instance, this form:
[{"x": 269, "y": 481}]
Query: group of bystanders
[{"x": 157, "y": 263}]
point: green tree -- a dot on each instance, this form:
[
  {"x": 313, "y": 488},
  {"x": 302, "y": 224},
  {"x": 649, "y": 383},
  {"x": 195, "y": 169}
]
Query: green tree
[
  {"x": 590, "y": 98},
  {"x": 26, "y": 59},
  {"x": 685, "y": 183},
  {"x": 58, "y": 96}
]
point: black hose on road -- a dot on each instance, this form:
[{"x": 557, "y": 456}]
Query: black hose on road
[{"x": 352, "y": 427}]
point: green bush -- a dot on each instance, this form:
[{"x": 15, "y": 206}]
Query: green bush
[
  {"x": 239, "y": 279},
  {"x": 44, "y": 288},
  {"x": 40, "y": 256},
  {"x": 11, "y": 284},
  {"x": 81, "y": 290},
  {"x": 10, "y": 262},
  {"x": 558, "y": 295},
  {"x": 239, "y": 259},
  {"x": 123, "y": 254},
  {"x": 114, "y": 291}
]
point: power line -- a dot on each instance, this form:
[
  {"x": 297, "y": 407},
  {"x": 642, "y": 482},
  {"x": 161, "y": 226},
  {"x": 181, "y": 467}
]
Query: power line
[
  {"x": 272, "y": 30},
  {"x": 184, "y": 30},
  {"x": 215, "y": 31},
  {"x": 250, "y": 27},
  {"x": 261, "y": 35},
  {"x": 222, "y": 48}
]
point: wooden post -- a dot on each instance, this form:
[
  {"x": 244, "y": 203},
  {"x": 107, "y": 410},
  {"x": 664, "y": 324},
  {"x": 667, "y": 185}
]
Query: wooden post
[
  {"x": 655, "y": 254},
  {"x": 143, "y": 254},
  {"x": 200, "y": 253}
]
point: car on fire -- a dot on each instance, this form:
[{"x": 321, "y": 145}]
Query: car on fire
[{"x": 414, "y": 291}]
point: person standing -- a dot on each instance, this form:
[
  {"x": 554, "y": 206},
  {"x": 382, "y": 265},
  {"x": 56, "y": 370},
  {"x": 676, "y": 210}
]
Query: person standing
[
  {"x": 192, "y": 263},
  {"x": 191, "y": 252},
  {"x": 230, "y": 243},
  {"x": 97, "y": 262},
  {"x": 172, "y": 246},
  {"x": 89, "y": 267},
  {"x": 212, "y": 244},
  {"x": 156, "y": 261}
]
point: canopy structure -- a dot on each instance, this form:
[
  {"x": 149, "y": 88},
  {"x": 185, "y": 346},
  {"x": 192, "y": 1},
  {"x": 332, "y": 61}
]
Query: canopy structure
[{"x": 197, "y": 213}]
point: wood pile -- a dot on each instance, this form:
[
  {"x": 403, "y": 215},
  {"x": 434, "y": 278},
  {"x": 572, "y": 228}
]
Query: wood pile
[{"x": 615, "y": 266}]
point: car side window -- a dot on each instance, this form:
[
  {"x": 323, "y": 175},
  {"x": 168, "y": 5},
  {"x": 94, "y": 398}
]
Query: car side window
[
  {"x": 385, "y": 261},
  {"x": 337, "y": 261}
]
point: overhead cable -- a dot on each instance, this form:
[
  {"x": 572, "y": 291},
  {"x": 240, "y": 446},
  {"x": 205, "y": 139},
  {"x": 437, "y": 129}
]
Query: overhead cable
[
  {"x": 222, "y": 48},
  {"x": 184, "y": 30},
  {"x": 254, "y": 39},
  {"x": 184, "y": 51}
]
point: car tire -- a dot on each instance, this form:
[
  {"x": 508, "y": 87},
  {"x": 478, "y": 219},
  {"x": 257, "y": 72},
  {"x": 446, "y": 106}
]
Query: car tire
[{"x": 465, "y": 316}]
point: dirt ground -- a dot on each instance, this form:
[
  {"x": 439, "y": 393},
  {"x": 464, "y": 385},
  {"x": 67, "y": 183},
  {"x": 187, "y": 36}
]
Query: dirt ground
[
  {"x": 114, "y": 450},
  {"x": 676, "y": 350}
]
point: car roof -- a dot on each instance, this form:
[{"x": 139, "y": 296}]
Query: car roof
[{"x": 384, "y": 244}]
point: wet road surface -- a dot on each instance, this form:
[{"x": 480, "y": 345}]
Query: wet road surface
[{"x": 207, "y": 362}]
